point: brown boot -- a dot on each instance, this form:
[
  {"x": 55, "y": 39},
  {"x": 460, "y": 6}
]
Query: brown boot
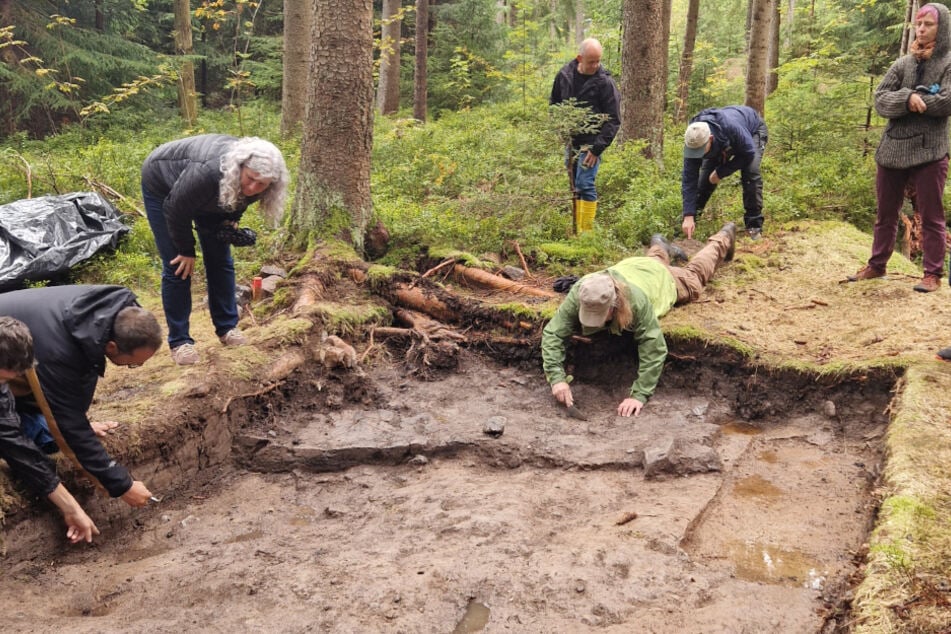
[
  {"x": 867, "y": 272},
  {"x": 928, "y": 284}
]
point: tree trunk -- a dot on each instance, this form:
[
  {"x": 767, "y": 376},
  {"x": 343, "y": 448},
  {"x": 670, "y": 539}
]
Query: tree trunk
[
  {"x": 758, "y": 54},
  {"x": 421, "y": 57},
  {"x": 298, "y": 15},
  {"x": 579, "y": 23},
  {"x": 686, "y": 63},
  {"x": 644, "y": 74},
  {"x": 772, "y": 77},
  {"x": 908, "y": 28},
  {"x": 388, "y": 91},
  {"x": 333, "y": 182},
  {"x": 187, "y": 95},
  {"x": 100, "y": 18}
]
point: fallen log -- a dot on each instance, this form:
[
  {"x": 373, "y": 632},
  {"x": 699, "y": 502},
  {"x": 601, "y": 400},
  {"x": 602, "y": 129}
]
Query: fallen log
[{"x": 484, "y": 279}]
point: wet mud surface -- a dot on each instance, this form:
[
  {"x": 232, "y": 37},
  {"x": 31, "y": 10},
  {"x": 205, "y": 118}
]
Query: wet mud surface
[{"x": 737, "y": 502}]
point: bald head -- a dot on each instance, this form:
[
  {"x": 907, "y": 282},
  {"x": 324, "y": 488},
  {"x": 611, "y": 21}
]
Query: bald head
[{"x": 589, "y": 56}]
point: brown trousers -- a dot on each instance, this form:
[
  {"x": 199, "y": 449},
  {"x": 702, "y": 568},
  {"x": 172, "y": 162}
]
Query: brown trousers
[{"x": 694, "y": 275}]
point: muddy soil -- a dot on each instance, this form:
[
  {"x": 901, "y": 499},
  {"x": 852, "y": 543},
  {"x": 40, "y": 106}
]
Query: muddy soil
[{"x": 737, "y": 502}]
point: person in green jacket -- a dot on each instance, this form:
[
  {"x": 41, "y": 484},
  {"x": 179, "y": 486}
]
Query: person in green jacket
[{"x": 632, "y": 295}]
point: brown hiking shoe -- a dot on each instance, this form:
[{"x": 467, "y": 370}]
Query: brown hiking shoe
[
  {"x": 729, "y": 229},
  {"x": 928, "y": 284},
  {"x": 867, "y": 272}
]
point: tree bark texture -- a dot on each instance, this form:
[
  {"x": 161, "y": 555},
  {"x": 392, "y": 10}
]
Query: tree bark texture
[
  {"x": 298, "y": 15},
  {"x": 388, "y": 90},
  {"x": 420, "y": 86},
  {"x": 187, "y": 95},
  {"x": 772, "y": 77},
  {"x": 758, "y": 60},
  {"x": 333, "y": 183},
  {"x": 681, "y": 113},
  {"x": 644, "y": 73}
]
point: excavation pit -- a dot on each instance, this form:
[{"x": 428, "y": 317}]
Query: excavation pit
[{"x": 739, "y": 500}]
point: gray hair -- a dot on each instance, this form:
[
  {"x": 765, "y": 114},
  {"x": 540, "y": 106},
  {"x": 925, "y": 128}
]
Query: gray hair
[{"x": 264, "y": 158}]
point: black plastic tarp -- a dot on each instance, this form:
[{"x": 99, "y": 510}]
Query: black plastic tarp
[{"x": 42, "y": 238}]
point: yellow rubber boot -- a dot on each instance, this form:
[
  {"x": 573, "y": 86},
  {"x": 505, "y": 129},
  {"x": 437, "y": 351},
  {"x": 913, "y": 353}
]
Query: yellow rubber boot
[{"x": 587, "y": 209}]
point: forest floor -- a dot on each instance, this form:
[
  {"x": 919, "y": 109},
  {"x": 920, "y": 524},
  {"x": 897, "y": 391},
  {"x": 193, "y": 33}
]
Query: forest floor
[{"x": 757, "y": 492}]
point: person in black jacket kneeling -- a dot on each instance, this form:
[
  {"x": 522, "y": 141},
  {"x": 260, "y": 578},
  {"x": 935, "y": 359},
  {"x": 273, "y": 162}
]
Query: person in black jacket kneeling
[
  {"x": 207, "y": 181},
  {"x": 75, "y": 330}
]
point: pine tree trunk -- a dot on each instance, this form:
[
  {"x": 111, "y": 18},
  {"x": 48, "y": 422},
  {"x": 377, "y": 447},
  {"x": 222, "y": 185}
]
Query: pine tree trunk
[
  {"x": 644, "y": 73},
  {"x": 422, "y": 55},
  {"x": 579, "y": 22},
  {"x": 758, "y": 59},
  {"x": 333, "y": 182},
  {"x": 681, "y": 113},
  {"x": 388, "y": 91},
  {"x": 187, "y": 95},
  {"x": 298, "y": 16},
  {"x": 772, "y": 77}
]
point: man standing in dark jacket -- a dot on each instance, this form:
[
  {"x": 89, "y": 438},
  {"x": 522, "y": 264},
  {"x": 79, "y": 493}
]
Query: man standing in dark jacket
[
  {"x": 586, "y": 81},
  {"x": 25, "y": 460},
  {"x": 718, "y": 142},
  {"x": 75, "y": 329}
]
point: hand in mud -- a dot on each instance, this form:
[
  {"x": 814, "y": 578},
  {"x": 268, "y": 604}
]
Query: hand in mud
[
  {"x": 137, "y": 495},
  {"x": 629, "y": 406},
  {"x": 562, "y": 393},
  {"x": 104, "y": 428},
  {"x": 688, "y": 226},
  {"x": 79, "y": 527}
]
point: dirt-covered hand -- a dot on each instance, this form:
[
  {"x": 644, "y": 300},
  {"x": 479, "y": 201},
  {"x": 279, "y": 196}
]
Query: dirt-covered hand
[
  {"x": 629, "y": 406},
  {"x": 137, "y": 495},
  {"x": 562, "y": 393},
  {"x": 79, "y": 527}
]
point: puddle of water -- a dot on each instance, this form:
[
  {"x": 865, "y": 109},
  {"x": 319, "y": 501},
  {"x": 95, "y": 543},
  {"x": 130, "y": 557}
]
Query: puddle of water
[
  {"x": 741, "y": 429},
  {"x": 779, "y": 566},
  {"x": 757, "y": 486},
  {"x": 475, "y": 618}
]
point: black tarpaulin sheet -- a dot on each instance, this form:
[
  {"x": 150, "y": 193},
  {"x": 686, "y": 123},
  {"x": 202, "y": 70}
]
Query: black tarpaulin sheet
[{"x": 42, "y": 238}]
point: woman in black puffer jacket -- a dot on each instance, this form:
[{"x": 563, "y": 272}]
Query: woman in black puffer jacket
[{"x": 207, "y": 181}]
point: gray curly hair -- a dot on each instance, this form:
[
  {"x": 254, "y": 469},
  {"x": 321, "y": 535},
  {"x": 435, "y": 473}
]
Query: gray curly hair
[{"x": 264, "y": 158}]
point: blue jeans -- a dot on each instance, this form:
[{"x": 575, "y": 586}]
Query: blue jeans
[
  {"x": 176, "y": 292},
  {"x": 584, "y": 176},
  {"x": 33, "y": 425}
]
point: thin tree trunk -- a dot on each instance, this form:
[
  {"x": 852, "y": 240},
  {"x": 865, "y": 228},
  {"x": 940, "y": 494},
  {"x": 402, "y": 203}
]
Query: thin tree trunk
[
  {"x": 333, "y": 182},
  {"x": 100, "y": 18},
  {"x": 420, "y": 86},
  {"x": 790, "y": 20},
  {"x": 681, "y": 113},
  {"x": 772, "y": 77},
  {"x": 388, "y": 90},
  {"x": 759, "y": 55},
  {"x": 908, "y": 29},
  {"x": 297, "y": 34},
  {"x": 644, "y": 73},
  {"x": 579, "y": 23},
  {"x": 187, "y": 95}
]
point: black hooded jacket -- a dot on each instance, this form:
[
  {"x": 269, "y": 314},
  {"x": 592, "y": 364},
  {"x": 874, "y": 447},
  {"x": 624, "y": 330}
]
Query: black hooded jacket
[
  {"x": 71, "y": 326},
  {"x": 24, "y": 458},
  {"x": 599, "y": 93},
  {"x": 187, "y": 173}
]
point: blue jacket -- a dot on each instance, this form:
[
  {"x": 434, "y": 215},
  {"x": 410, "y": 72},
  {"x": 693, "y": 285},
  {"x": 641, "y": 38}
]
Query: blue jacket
[{"x": 733, "y": 148}]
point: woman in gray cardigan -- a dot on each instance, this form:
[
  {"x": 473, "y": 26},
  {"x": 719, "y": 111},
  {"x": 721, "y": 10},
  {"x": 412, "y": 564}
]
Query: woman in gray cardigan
[{"x": 915, "y": 97}]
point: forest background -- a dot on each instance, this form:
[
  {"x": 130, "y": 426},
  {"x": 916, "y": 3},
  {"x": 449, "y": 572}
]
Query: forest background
[{"x": 469, "y": 156}]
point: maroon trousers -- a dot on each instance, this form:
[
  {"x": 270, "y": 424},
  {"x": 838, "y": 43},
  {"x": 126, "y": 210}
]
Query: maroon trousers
[{"x": 928, "y": 181}]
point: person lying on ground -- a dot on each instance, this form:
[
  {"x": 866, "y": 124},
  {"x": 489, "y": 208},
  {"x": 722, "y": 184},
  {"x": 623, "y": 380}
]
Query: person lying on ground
[
  {"x": 75, "y": 329},
  {"x": 632, "y": 295},
  {"x": 24, "y": 458}
]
